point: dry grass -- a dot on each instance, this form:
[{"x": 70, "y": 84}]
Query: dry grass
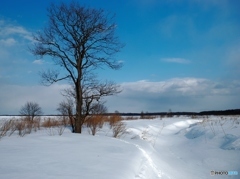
[
  {"x": 131, "y": 118},
  {"x": 55, "y": 125},
  {"x": 113, "y": 119},
  {"x": 5, "y": 126},
  {"x": 65, "y": 120},
  {"x": 23, "y": 126},
  {"x": 50, "y": 122},
  {"x": 149, "y": 117},
  {"x": 94, "y": 123}
]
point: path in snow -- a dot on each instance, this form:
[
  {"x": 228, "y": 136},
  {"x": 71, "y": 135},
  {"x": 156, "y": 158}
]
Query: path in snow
[
  {"x": 152, "y": 154},
  {"x": 146, "y": 164}
]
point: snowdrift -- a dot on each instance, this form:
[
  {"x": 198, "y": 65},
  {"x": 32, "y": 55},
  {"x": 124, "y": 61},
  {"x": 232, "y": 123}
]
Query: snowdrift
[{"x": 168, "y": 148}]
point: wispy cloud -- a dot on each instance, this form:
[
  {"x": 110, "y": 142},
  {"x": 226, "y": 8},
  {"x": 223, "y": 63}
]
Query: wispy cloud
[
  {"x": 14, "y": 54},
  {"x": 176, "y": 60},
  {"x": 9, "y": 29}
]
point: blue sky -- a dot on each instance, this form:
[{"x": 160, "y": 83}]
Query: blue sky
[{"x": 179, "y": 55}]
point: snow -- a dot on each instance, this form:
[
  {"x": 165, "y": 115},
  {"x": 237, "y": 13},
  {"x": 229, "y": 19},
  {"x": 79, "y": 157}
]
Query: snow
[{"x": 167, "y": 148}]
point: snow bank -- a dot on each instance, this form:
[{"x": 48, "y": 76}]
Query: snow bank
[
  {"x": 67, "y": 156},
  {"x": 168, "y": 148}
]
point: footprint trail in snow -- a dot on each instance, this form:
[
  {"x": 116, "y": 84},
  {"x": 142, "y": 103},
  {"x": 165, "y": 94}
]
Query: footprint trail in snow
[{"x": 147, "y": 161}]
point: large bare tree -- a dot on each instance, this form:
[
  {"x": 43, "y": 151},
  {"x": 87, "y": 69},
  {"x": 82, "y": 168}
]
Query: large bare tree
[{"x": 80, "y": 40}]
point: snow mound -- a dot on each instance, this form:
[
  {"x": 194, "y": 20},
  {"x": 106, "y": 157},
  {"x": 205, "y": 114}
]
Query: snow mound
[
  {"x": 194, "y": 133},
  {"x": 231, "y": 142}
]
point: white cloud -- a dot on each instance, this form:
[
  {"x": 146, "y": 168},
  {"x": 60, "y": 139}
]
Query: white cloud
[
  {"x": 179, "y": 86},
  {"x": 120, "y": 61},
  {"x": 12, "y": 97},
  {"x": 178, "y": 94},
  {"x": 176, "y": 60},
  {"x": 38, "y": 62}
]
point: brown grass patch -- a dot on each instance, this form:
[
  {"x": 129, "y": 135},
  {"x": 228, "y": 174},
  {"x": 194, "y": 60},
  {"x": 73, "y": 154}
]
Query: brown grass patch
[{"x": 94, "y": 123}]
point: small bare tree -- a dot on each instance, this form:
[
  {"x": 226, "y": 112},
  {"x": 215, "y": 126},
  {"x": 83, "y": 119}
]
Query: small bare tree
[
  {"x": 79, "y": 40},
  {"x": 66, "y": 108},
  {"x": 31, "y": 110}
]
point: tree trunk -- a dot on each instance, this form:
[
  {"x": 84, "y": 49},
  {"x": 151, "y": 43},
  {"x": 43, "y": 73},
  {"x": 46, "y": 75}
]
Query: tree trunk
[
  {"x": 79, "y": 117},
  {"x": 78, "y": 126}
]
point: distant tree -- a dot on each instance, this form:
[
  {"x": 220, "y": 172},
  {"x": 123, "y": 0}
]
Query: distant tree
[
  {"x": 31, "y": 110},
  {"x": 169, "y": 114},
  {"x": 116, "y": 112},
  {"x": 142, "y": 115},
  {"x": 80, "y": 40}
]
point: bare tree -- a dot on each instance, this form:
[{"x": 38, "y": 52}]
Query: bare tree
[
  {"x": 80, "y": 40},
  {"x": 31, "y": 110},
  {"x": 66, "y": 108}
]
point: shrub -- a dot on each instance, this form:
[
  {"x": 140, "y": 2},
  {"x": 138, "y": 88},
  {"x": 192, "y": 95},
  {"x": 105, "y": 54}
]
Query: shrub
[
  {"x": 113, "y": 119},
  {"x": 65, "y": 121},
  {"x": 95, "y": 122},
  {"x": 60, "y": 129},
  {"x": 5, "y": 126},
  {"x": 37, "y": 123},
  {"x": 21, "y": 127},
  {"x": 119, "y": 128}
]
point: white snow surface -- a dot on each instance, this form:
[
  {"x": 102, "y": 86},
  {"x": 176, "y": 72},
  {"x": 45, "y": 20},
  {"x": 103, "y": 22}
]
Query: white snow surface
[{"x": 167, "y": 148}]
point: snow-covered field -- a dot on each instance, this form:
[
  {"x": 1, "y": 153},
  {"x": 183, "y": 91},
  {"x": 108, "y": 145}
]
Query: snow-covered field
[{"x": 167, "y": 148}]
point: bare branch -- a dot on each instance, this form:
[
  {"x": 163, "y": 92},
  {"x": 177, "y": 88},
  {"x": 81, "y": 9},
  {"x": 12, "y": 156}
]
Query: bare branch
[{"x": 51, "y": 76}]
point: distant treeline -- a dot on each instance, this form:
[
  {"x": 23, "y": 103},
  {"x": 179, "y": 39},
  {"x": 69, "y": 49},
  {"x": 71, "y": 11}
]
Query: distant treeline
[{"x": 223, "y": 112}]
